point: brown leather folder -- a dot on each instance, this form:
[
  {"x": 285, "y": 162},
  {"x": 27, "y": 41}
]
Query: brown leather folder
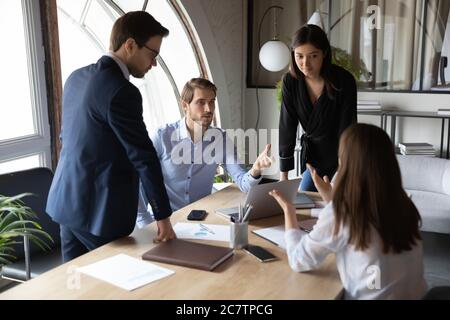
[{"x": 189, "y": 254}]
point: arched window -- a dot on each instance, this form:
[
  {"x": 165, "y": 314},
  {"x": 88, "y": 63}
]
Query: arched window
[
  {"x": 85, "y": 26},
  {"x": 24, "y": 129}
]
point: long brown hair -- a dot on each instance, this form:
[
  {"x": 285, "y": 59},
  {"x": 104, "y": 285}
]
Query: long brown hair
[{"x": 368, "y": 192}]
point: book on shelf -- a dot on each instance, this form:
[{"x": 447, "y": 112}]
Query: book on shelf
[
  {"x": 417, "y": 151},
  {"x": 368, "y": 106},
  {"x": 368, "y": 109},
  {"x": 413, "y": 153},
  {"x": 443, "y": 112},
  {"x": 368, "y": 102},
  {"x": 441, "y": 87},
  {"x": 417, "y": 148},
  {"x": 415, "y": 145}
]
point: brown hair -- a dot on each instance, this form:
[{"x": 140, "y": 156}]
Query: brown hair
[
  {"x": 138, "y": 25},
  {"x": 314, "y": 35},
  {"x": 201, "y": 83},
  {"x": 368, "y": 192}
]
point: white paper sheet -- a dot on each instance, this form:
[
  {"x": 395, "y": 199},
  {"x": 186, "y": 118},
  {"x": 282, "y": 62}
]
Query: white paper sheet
[
  {"x": 274, "y": 235},
  {"x": 195, "y": 231},
  {"x": 125, "y": 272}
]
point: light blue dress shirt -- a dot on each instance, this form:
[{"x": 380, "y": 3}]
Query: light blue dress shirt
[{"x": 189, "y": 168}]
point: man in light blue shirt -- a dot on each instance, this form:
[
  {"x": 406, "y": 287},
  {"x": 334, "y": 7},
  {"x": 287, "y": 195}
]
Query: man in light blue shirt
[{"x": 190, "y": 151}]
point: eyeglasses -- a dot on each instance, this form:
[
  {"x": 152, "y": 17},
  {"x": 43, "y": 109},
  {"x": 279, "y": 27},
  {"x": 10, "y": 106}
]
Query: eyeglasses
[{"x": 156, "y": 53}]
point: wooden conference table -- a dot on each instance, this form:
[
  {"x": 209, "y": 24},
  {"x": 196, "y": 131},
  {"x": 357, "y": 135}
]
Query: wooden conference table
[{"x": 240, "y": 277}]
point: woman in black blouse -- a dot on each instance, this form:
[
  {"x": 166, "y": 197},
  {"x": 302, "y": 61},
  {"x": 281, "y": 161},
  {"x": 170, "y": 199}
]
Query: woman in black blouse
[{"x": 322, "y": 97}]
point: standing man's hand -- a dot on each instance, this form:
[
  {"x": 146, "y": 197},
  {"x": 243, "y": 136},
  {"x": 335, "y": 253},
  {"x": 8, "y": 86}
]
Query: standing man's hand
[
  {"x": 165, "y": 231},
  {"x": 322, "y": 185},
  {"x": 262, "y": 162}
]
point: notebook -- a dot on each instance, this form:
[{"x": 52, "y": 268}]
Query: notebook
[
  {"x": 189, "y": 254},
  {"x": 302, "y": 201}
]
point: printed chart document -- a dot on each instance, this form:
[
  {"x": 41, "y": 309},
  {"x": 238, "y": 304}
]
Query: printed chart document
[
  {"x": 202, "y": 231},
  {"x": 125, "y": 272}
]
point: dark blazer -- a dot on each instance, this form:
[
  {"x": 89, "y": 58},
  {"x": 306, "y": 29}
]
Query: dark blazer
[
  {"x": 105, "y": 151},
  {"x": 322, "y": 123}
]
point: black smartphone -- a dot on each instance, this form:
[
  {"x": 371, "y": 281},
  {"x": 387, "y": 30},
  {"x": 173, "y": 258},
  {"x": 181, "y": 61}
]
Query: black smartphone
[
  {"x": 197, "y": 215},
  {"x": 260, "y": 253}
]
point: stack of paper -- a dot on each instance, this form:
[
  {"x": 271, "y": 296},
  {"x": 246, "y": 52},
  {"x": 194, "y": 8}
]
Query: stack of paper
[
  {"x": 443, "y": 112},
  {"x": 367, "y": 105},
  {"x": 125, "y": 272},
  {"x": 419, "y": 148}
]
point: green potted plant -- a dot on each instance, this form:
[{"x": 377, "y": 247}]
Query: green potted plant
[{"x": 15, "y": 223}]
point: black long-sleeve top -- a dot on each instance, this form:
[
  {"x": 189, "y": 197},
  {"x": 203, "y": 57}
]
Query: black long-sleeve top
[{"x": 322, "y": 122}]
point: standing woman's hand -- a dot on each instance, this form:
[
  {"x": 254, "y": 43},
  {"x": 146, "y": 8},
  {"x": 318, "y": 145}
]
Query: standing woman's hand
[{"x": 322, "y": 185}]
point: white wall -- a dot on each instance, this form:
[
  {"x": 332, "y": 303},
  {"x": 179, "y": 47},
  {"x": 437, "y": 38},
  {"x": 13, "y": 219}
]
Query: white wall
[{"x": 219, "y": 25}]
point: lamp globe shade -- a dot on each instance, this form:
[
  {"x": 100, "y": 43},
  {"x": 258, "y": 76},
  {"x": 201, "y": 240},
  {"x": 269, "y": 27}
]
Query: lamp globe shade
[
  {"x": 274, "y": 55},
  {"x": 316, "y": 19}
]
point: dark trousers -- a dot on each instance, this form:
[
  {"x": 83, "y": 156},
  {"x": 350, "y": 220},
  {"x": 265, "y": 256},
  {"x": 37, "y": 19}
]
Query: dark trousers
[{"x": 75, "y": 243}]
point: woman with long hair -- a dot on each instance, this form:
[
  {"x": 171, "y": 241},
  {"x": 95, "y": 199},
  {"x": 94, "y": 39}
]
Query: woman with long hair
[
  {"x": 319, "y": 95},
  {"x": 369, "y": 223}
]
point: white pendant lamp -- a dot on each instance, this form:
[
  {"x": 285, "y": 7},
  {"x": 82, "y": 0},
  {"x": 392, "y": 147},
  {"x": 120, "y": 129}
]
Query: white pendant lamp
[{"x": 274, "y": 55}]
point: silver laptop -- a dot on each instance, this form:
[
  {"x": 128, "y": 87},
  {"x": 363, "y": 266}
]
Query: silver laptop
[{"x": 263, "y": 204}]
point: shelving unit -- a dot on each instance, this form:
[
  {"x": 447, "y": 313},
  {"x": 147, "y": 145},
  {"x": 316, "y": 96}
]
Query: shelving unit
[{"x": 384, "y": 115}]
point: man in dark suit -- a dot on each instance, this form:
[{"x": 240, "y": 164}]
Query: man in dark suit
[{"x": 106, "y": 148}]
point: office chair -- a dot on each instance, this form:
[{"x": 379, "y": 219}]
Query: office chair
[{"x": 35, "y": 261}]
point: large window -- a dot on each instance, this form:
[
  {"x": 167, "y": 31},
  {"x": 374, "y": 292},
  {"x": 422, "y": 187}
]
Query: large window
[
  {"x": 87, "y": 24},
  {"x": 24, "y": 129}
]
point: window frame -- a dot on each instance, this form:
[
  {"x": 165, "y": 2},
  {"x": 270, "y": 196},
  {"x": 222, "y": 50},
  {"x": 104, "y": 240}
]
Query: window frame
[{"x": 38, "y": 143}]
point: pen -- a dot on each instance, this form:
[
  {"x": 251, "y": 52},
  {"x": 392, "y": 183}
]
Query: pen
[
  {"x": 247, "y": 213},
  {"x": 206, "y": 228}
]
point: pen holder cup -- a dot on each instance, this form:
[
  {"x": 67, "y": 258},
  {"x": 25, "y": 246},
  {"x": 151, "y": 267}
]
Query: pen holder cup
[{"x": 238, "y": 235}]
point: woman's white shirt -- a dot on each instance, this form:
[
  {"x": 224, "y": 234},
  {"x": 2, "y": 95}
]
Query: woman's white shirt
[{"x": 368, "y": 274}]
